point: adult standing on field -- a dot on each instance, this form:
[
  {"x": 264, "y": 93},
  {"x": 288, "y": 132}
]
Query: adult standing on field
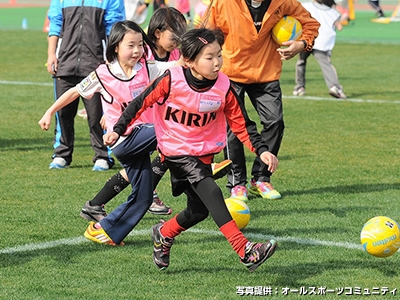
[
  {"x": 76, "y": 46},
  {"x": 253, "y": 62}
]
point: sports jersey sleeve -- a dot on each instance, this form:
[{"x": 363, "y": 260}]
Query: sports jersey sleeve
[
  {"x": 158, "y": 89},
  {"x": 241, "y": 125},
  {"x": 88, "y": 86},
  {"x": 157, "y": 68}
]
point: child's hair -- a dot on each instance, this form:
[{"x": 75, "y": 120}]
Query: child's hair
[
  {"x": 194, "y": 40},
  {"x": 166, "y": 18},
  {"x": 118, "y": 31}
]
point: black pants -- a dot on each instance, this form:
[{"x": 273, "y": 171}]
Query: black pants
[
  {"x": 64, "y": 133},
  {"x": 266, "y": 99}
]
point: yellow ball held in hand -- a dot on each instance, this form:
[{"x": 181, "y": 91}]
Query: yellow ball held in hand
[{"x": 287, "y": 29}]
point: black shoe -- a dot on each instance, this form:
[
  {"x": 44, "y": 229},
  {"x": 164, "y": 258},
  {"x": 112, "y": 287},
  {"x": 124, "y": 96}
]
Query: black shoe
[
  {"x": 256, "y": 253},
  {"x": 162, "y": 247},
  {"x": 93, "y": 213}
]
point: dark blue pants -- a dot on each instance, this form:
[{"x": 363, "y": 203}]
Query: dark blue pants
[{"x": 134, "y": 155}]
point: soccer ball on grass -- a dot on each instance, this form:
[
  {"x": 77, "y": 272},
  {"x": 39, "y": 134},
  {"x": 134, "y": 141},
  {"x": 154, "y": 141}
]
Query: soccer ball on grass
[{"x": 380, "y": 236}]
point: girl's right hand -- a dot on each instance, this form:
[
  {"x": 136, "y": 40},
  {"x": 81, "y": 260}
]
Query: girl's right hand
[
  {"x": 110, "y": 138},
  {"x": 45, "y": 121}
]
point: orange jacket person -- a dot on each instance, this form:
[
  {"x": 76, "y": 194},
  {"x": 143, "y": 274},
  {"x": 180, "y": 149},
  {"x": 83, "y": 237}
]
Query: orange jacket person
[{"x": 253, "y": 62}]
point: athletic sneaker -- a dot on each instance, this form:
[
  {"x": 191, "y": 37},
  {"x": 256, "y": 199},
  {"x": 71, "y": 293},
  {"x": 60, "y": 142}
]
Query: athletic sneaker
[
  {"x": 58, "y": 163},
  {"x": 93, "y": 212},
  {"x": 162, "y": 247},
  {"x": 263, "y": 189},
  {"x": 256, "y": 253},
  {"x": 158, "y": 207},
  {"x": 221, "y": 169},
  {"x": 337, "y": 93},
  {"x": 98, "y": 235},
  {"x": 101, "y": 165},
  {"x": 239, "y": 192},
  {"x": 299, "y": 91}
]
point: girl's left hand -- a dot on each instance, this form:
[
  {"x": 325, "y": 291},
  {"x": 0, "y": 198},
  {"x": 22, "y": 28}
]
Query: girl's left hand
[{"x": 110, "y": 138}]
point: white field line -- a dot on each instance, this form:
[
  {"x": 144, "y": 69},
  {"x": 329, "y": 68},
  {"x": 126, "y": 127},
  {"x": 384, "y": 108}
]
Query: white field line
[
  {"x": 26, "y": 83},
  {"x": 258, "y": 236},
  {"x": 284, "y": 96}
]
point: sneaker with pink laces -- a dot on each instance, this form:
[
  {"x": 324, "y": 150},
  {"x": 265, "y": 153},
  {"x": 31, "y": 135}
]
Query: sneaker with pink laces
[
  {"x": 263, "y": 189},
  {"x": 239, "y": 192}
]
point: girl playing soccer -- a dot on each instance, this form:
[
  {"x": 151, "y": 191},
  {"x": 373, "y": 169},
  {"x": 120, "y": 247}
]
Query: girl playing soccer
[
  {"x": 165, "y": 26},
  {"x": 192, "y": 106},
  {"x": 122, "y": 79}
]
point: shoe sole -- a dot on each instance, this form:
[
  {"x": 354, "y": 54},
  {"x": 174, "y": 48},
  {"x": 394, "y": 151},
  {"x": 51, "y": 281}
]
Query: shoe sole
[
  {"x": 99, "y": 169},
  {"x": 222, "y": 170},
  {"x": 58, "y": 167},
  {"x": 154, "y": 212},
  {"x": 337, "y": 96},
  {"x": 89, "y": 217},
  {"x": 257, "y": 193},
  {"x": 270, "y": 251},
  {"x": 242, "y": 198}
]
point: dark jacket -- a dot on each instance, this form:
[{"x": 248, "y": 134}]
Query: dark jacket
[{"x": 82, "y": 27}]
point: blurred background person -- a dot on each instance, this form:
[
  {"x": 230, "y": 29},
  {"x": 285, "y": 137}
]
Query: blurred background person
[{"x": 76, "y": 45}]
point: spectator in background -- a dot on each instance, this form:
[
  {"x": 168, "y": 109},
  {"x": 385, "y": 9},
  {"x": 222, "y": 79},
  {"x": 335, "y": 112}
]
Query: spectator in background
[
  {"x": 329, "y": 18},
  {"x": 377, "y": 7},
  {"x": 136, "y": 10},
  {"x": 200, "y": 10},
  {"x": 72, "y": 55},
  {"x": 159, "y": 3},
  {"x": 184, "y": 7}
]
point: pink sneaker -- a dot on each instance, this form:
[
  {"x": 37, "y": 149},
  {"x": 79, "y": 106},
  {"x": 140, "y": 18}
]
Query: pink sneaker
[{"x": 239, "y": 192}]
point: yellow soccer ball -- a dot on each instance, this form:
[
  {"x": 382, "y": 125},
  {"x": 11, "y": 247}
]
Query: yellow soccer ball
[
  {"x": 380, "y": 236},
  {"x": 239, "y": 211},
  {"x": 287, "y": 29}
]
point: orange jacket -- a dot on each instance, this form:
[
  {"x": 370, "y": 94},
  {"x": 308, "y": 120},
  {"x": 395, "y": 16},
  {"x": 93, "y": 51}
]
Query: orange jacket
[{"x": 251, "y": 57}]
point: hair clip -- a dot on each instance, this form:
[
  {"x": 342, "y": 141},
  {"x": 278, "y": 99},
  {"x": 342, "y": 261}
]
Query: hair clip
[{"x": 203, "y": 40}]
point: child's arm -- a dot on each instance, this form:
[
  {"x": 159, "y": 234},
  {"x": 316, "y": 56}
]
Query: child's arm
[
  {"x": 65, "y": 99},
  {"x": 338, "y": 25}
]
